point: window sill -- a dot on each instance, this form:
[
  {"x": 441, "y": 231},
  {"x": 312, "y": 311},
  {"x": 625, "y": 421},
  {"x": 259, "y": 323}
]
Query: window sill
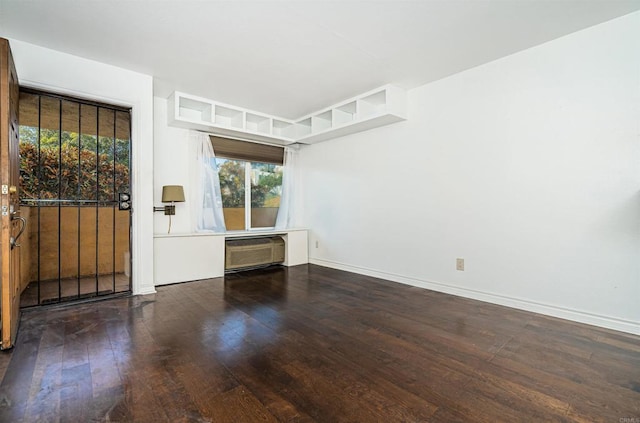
[{"x": 230, "y": 234}]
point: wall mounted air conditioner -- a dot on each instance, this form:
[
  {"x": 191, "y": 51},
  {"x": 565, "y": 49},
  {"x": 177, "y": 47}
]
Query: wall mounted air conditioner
[{"x": 248, "y": 253}]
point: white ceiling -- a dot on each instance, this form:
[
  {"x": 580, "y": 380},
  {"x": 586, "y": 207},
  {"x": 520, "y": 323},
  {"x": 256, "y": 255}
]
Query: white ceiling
[{"x": 290, "y": 58}]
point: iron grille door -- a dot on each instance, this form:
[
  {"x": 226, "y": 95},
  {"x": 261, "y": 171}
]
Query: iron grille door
[{"x": 74, "y": 168}]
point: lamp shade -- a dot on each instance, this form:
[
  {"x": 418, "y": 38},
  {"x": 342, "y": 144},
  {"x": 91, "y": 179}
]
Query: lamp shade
[{"x": 172, "y": 193}]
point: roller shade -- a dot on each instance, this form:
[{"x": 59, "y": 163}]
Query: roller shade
[{"x": 248, "y": 151}]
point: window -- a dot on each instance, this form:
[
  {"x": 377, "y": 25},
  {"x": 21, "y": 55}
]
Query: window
[{"x": 250, "y": 174}]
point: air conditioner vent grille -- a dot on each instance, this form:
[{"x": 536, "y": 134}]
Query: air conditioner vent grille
[{"x": 252, "y": 252}]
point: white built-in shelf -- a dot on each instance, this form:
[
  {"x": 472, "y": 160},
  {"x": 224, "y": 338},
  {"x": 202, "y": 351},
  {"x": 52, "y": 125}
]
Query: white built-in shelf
[
  {"x": 344, "y": 114},
  {"x": 372, "y": 104},
  {"x": 375, "y": 108},
  {"x": 192, "y": 112},
  {"x": 283, "y": 129},
  {"x": 226, "y": 116},
  {"x": 303, "y": 128},
  {"x": 258, "y": 123},
  {"x": 321, "y": 122}
]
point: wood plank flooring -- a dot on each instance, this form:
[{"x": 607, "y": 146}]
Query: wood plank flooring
[{"x": 312, "y": 344}]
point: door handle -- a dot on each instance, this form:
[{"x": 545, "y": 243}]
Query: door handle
[{"x": 14, "y": 241}]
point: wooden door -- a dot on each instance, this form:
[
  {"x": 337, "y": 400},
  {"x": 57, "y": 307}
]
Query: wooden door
[{"x": 12, "y": 223}]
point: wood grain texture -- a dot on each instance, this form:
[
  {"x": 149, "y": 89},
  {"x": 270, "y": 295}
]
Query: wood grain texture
[
  {"x": 311, "y": 344},
  {"x": 9, "y": 177}
]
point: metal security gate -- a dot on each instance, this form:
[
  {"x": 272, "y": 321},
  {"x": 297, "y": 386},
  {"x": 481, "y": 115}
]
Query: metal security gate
[{"x": 74, "y": 179}]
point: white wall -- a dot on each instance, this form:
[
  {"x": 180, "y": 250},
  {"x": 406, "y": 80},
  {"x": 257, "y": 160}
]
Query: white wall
[
  {"x": 173, "y": 160},
  {"x": 182, "y": 256},
  {"x": 58, "y": 72},
  {"x": 527, "y": 167}
]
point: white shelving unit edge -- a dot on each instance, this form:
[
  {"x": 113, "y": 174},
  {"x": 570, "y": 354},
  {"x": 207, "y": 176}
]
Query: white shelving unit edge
[{"x": 382, "y": 106}]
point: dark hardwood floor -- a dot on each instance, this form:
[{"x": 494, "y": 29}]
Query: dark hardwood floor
[{"x": 311, "y": 344}]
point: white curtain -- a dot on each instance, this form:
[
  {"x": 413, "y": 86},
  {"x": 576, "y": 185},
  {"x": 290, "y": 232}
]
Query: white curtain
[
  {"x": 207, "y": 206},
  {"x": 286, "y": 213}
]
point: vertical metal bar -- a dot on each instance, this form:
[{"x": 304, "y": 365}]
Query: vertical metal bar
[
  {"x": 59, "y": 195},
  {"x": 115, "y": 197},
  {"x": 39, "y": 189},
  {"x": 97, "y": 192}
]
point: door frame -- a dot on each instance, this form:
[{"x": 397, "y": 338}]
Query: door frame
[
  {"x": 49, "y": 70},
  {"x": 9, "y": 198}
]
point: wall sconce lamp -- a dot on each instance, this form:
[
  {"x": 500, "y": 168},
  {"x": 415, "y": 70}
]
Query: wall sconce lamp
[{"x": 170, "y": 194}]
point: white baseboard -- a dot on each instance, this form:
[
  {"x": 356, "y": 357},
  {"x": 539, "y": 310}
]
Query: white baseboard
[
  {"x": 146, "y": 291},
  {"x": 627, "y": 326}
]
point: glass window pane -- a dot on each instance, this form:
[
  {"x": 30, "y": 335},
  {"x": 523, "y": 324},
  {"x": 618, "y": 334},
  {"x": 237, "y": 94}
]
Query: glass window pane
[
  {"x": 29, "y": 159},
  {"x": 122, "y": 152},
  {"x": 266, "y": 189},
  {"x": 48, "y": 252},
  {"x": 69, "y": 151},
  {"x": 106, "y": 152},
  {"x": 88, "y": 153},
  {"x": 69, "y": 245},
  {"x": 232, "y": 188},
  {"x": 106, "y": 249},
  {"x": 88, "y": 247},
  {"x": 50, "y": 148}
]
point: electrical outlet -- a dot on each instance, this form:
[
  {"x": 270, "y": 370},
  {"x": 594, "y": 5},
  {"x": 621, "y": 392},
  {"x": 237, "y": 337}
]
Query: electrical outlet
[
  {"x": 316, "y": 244},
  {"x": 460, "y": 264}
]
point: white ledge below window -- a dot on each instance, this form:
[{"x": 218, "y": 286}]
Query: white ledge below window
[
  {"x": 232, "y": 234},
  {"x": 183, "y": 257}
]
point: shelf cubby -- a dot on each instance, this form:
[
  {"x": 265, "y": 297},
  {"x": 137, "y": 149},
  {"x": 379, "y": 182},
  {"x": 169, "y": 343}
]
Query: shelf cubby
[
  {"x": 373, "y": 104},
  {"x": 345, "y": 114},
  {"x": 226, "y": 116},
  {"x": 195, "y": 110},
  {"x": 321, "y": 122},
  {"x": 283, "y": 129},
  {"x": 303, "y": 127},
  {"x": 257, "y": 123}
]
